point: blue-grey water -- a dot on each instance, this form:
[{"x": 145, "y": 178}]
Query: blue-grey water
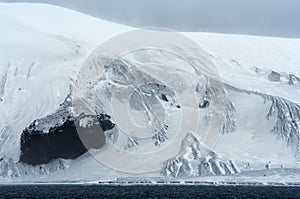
[{"x": 150, "y": 191}]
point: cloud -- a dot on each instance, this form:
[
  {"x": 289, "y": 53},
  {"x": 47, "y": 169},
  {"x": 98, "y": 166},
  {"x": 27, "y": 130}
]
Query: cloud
[{"x": 259, "y": 17}]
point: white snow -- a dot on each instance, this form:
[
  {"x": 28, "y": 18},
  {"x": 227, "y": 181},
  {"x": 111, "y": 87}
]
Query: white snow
[{"x": 42, "y": 48}]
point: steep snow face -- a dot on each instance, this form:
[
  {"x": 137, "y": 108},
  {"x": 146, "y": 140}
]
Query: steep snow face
[
  {"x": 254, "y": 142},
  {"x": 287, "y": 124},
  {"x": 151, "y": 104},
  {"x": 35, "y": 67},
  {"x": 42, "y": 49}
]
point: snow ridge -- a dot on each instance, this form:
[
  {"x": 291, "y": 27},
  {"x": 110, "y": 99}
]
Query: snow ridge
[{"x": 195, "y": 160}]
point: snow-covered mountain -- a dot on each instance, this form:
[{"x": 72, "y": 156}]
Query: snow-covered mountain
[{"x": 42, "y": 49}]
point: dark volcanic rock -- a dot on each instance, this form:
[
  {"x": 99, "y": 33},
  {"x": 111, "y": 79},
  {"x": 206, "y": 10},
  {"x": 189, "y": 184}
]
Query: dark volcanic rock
[
  {"x": 204, "y": 104},
  {"x": 63, "y": 140},
  {"x": 164, "y": 97}
]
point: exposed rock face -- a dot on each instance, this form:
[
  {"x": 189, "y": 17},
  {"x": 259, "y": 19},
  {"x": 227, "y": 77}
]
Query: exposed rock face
[
  {"x": 195, "y": 160},
  {"x": 229, "y": 125},
  {"x": 161, "y": 136},
  {"x": 287, "y": 125},
  {"x": 204, "y": 103},
  {"x": 56, "y": 136},
  {"x": 293, "y": 79},
  {"x": 60, "y": 142},
  {"x": 274, "y": 76},
  {"x": 149, "y": 101},
  {"x": 286, "y": 116}
]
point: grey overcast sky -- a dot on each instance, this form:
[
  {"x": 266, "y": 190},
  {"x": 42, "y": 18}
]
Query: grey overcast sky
[{"x": 257, "y": 17}]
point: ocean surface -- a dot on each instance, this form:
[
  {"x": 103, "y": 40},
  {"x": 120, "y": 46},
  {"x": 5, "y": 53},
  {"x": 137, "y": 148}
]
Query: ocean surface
[{"x": 150, "y": 191}]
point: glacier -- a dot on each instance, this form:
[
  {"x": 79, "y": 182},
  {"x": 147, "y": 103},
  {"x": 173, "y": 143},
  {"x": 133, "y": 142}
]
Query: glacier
[{"x": 42, "y": 48}]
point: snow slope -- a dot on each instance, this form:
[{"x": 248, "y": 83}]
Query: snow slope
[{"x": 42, "y": 48}]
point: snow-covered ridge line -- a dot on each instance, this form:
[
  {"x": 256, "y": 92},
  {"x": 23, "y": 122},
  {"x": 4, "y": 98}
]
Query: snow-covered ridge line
[
  {"x": 263, "y": 95},
  {"x": 195, "y": 160}
]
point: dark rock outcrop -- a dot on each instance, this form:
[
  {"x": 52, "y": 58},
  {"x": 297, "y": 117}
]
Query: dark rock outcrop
[
  {"x": 205, "y": 102},
  {"x": 274, "y": 76},
  {"x": 61, "y": 135}
]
